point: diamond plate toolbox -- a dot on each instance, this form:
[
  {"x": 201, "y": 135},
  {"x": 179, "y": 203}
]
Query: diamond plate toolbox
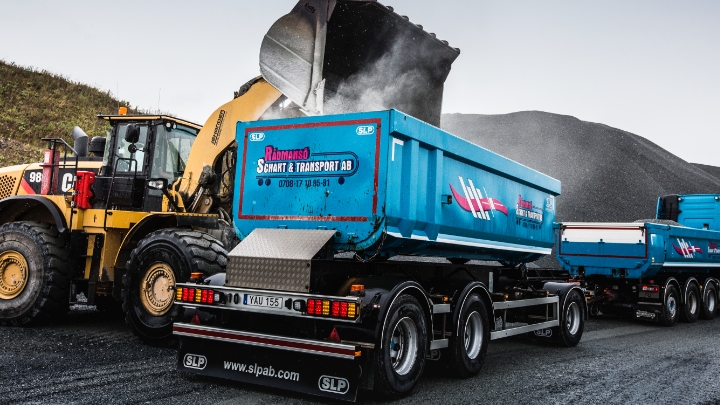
[{"x": 276, "y": 259}]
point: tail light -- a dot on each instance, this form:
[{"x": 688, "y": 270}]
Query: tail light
[
  {"x": 650, "y": 288},
  {"x": 198, "y": 295},
  {"x": 333, "y": 309}
]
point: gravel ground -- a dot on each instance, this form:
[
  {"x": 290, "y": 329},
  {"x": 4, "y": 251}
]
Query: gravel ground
[{"x": 91, "y": 359}]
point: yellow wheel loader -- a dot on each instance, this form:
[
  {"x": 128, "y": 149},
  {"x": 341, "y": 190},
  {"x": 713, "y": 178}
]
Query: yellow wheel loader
[{"x": 120, "y": 219}]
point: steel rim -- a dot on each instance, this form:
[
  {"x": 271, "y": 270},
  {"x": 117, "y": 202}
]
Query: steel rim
[
  {"x": 157, "y": 289},
  {"x": 671, "y": 306},
  {"x": 473, "y": 335},
  {"x": 403, "y": 346},
  {"x": 572, "y": 318},
  {"x": 13, "y": 274},
  {"x": 693, "y": 302},
  {"x": 711, "y": 301}
]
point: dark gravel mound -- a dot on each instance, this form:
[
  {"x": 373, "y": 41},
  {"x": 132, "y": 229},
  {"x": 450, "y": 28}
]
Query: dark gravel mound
[
  {"x": 607, "y": 174},
  {"x": 713, "y": 170}
]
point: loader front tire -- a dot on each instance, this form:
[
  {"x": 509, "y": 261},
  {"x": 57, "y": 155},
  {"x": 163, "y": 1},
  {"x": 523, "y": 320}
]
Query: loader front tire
[
  {"x": 34, "y": 284},
  {"x": 160, "y": 261}
]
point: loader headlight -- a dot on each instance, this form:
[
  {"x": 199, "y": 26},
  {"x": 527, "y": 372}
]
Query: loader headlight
[{"x": 157, "y": 184}]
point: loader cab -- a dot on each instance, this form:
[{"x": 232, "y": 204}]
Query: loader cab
[{"x": 137, "y": 149}]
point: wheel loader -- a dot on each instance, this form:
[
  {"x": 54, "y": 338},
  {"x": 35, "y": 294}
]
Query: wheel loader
[{"x": 116, "y": 221}]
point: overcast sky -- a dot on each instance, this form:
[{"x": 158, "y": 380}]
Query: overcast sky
[{"x": 648, "y": 67}]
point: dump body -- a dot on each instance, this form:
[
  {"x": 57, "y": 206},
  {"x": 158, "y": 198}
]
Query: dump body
[
  {"x": 390, "y": 184},
  {"x": 636, "y": 250}
]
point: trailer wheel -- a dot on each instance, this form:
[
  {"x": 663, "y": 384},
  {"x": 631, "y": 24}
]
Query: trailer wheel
[
  {"x": 162, "y": 259},
  {"x": 34, "y": 283},
  {"x": 572, "y": 320},
  {"x": 709, "y": 302},
  {"x": 671, "y": 310},
  {"x": 469, "y": 346},
  {"x": 400, "y": 361},
  {"x": 690, "y": 311}
]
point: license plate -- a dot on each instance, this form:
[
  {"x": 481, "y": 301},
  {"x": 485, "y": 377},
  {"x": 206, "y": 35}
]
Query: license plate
[{"x": 263, "y": 301}]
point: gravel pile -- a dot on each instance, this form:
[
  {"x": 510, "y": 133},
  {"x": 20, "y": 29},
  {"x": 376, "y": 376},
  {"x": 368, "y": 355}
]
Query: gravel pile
[
  {"x": 607, "y": 174},
  {"x": 713, "y": 170}
]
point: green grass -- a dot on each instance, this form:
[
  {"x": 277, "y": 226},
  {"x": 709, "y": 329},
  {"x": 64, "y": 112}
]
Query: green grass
[{"x": 39, "y": 104}]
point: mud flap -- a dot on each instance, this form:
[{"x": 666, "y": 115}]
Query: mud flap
[{"x": 300, "y": 372}]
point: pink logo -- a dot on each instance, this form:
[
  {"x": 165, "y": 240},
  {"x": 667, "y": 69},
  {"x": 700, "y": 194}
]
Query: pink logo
[
  {"x": 472, "y": 200},
  {"x": 713, "y": 245},
  {"x": 686, "y": 249},
  {"x": 524, "y": 204}
]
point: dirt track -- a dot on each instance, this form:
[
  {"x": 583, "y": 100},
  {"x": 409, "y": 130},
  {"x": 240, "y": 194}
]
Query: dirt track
[{"x": 88, "y": 359}]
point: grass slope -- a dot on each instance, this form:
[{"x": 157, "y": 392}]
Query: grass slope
[{"x": 39, "y": 104}]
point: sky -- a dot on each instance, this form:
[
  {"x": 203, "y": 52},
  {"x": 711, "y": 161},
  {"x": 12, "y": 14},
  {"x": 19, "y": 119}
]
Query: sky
[{"x": 651, "y": 68}]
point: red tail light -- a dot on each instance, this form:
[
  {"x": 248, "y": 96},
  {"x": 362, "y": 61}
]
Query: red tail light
[
  {"x": 336, "y": 309},
  {"x": 198, "y": 295}
]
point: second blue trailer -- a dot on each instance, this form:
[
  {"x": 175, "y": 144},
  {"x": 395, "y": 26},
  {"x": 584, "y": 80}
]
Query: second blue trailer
[{"x": 662, "y": 270}]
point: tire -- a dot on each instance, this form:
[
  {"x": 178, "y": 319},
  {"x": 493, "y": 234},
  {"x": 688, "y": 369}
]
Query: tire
[
  {"x": 690, "y": 310},
  {"x": 709, "y": 302},
  {"x": 34, "y": 282},
  {"x": 400, "y": 361},
  {"x": 162, "y": 259},
  {"x": 671, "y": 306},
  {"x": 572, "y": 320},
  {"x": 469, "y": 346}
]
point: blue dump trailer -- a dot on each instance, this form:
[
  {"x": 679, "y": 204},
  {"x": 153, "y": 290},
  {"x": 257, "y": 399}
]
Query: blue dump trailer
[
  {"x": 659, "y": 270},
  {"x": 331, "y": 290}
]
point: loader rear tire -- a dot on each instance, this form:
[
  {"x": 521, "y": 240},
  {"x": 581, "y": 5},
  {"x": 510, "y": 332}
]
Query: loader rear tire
[
  {"x": 162, "y": 259},
  {"x": 34, "y": 284}
]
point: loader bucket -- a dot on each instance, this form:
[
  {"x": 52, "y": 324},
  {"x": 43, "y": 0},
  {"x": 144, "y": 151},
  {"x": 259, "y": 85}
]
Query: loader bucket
[{"x": 347, "y": 56}]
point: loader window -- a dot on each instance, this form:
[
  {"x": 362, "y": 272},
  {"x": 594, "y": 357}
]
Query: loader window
[
  {"x": 172, "y": 148},
  {"x": 121, "y": 151}
]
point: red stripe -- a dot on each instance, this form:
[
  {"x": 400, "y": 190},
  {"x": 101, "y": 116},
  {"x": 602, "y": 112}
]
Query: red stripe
[
  {"x": 26, "y": 187},
  {"x": 240, "y": 337},
  {"x": 376, "y": 121},
  {"x": 377, "y": 167}
]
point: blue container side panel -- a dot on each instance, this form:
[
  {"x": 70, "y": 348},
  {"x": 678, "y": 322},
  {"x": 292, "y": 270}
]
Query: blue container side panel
[{"x": 492, "y": 216}]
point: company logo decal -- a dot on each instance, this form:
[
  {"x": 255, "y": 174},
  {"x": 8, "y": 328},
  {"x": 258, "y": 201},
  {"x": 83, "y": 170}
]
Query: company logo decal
[
  {"x": 526, "y": 210},
  {"x": 365, "y": 130},
  {"x": 218, "y": 128},
  {"x": 713, "y": 248},
  {"x": 550, "y": 203},
  {"x": 686, "y": 250},
  {"x": 195, "y": 361},
  {"x": 332, "y": 384},
  {"x": 256, "y": 136},
  {"x": 294, "y": 164},
  {"x": 472, "y": 200}
]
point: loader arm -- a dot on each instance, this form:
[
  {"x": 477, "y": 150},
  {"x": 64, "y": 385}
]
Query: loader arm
[{"x": 217, "y": 134}]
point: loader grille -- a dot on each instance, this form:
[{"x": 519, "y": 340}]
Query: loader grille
[{"x": 7, "y": 186}]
